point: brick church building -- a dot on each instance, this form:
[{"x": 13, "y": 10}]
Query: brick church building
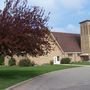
[{"x": 74, "y": 46}]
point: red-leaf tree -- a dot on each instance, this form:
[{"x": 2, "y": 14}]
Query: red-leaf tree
[{"x": 23, "y": 29}]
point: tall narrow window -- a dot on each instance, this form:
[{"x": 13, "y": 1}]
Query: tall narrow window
[{"x": 57, "y": 58}]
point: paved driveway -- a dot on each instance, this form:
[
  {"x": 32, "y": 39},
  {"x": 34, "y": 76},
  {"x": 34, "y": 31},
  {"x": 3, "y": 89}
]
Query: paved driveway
[{"x": 70, "y": 79}]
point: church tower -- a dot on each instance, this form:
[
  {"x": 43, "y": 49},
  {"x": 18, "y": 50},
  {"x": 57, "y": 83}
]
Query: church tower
[{"x": 85, "y": 36}]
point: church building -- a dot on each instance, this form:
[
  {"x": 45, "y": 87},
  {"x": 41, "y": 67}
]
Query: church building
[{"x": 74, "y": 46}]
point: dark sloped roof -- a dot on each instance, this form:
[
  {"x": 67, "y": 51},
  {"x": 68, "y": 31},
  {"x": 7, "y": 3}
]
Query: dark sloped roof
[{"x": 68, "y": 42}]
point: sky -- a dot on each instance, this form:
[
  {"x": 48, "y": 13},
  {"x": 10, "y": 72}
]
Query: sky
[{"x": 65, "y": 15}]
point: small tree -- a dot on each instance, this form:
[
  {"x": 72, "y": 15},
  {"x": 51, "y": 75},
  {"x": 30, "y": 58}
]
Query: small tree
[{"x": 23, "y": 29}]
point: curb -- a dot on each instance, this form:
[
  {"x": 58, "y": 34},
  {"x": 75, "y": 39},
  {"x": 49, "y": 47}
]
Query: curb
[
  {"x": 18, "y": 84},
  {"x": 77, "y": 65}
]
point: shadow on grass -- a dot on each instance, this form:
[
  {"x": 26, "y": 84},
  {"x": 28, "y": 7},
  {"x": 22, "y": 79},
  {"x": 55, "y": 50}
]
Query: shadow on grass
[
  {"x": 12, "y": 74},
  {"x": 29, "y": 72}
]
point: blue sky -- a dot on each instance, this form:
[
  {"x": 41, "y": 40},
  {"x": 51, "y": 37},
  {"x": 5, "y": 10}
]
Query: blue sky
[{"x": 65, "y": 14}]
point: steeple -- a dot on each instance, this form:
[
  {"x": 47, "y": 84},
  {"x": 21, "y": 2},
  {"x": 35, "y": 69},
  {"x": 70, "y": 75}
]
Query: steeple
[{"x": 85, "y": 36}]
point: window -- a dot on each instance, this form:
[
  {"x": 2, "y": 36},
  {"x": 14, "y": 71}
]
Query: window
[
  {"x": 78, "y": 54},
  {"x": 70, "y": 54},
  {"x": 57, "y": 58}
]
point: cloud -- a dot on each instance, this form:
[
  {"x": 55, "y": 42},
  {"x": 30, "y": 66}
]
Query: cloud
[
  {"x": 59, "y": 4},
  {"x": 69, "y": 29},
  {"x": 2, "y": 3},
  {"x": 63, "y": 12},
  {"x": 73, "y": 4},
  {"x": 48, "y": 4},
  {"x": 57, "y": 29},
  {"x": 72, "y": 28}
]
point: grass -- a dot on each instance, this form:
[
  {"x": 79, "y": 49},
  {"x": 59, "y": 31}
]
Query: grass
[
  {"x": 13, "y": 75},
  {"x": 81, "y": 63}
]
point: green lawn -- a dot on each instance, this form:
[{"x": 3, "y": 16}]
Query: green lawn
[
  {"x": 81, "y": 63},
  {"x": 12, "y": 75}
]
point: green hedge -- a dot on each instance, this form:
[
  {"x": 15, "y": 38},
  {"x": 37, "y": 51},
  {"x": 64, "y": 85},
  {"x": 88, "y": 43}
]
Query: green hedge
[
  {"x": 26, "y": 63},
  {"x": 12, "y": 62},
  {"x": 65, "y": 61}
]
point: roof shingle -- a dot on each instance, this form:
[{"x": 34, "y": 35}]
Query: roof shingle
[{"x": 68, "y": 42}]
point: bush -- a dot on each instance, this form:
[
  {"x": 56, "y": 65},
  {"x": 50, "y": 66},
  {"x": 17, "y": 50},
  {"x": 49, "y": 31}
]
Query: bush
[
  {"x": 25, "y": 63},
  {"x": 51, "y": 62},
  {"x": 65, "y": 61},
  {"x": 12, "y": 62},
  {"x": 1, "y": 60},
  {"x": 32, "y": 63}
]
